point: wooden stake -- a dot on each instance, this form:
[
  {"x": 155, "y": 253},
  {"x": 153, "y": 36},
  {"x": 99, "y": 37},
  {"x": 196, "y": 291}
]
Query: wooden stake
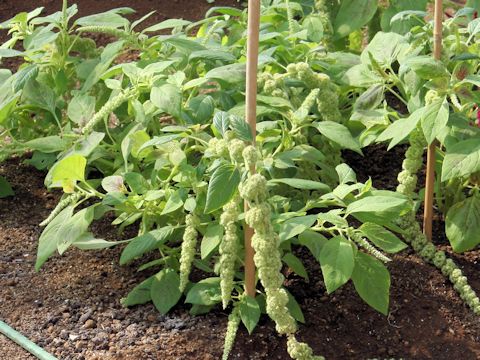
[
  {"x": 430, "y": 171},
  {"x": 251, "y": 117}
]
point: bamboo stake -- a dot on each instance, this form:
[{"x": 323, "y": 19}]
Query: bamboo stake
[
  {"x": 251, "y": 117},
  {"x": 430, "y": 171}
]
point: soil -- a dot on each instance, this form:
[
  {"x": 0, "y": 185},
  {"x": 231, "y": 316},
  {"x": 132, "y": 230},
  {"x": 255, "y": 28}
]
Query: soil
[{"x": 72, "y": 309}]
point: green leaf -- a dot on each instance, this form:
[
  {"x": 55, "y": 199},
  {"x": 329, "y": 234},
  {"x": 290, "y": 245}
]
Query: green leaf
[
  {"x": 108, "y": 19},
  {"x": 81, "y": 109},
  {"x": 137, "y": 182},
  {"x": 24, "y": 75},
  {"x": 294, "y": 309},
  {"x": 221, "y": 121},
  {"x": 296, "y": 265},
  {"x": 462, "y": 224},
  {"x": 295, "y": 226},
  {"x": 231, "y": 74},
  {"x": 352, "y": 15},
  {"x": 167, "y": 24},
  {"x": 339, "y": 134},
  {"x": 249, "y": 313},
  {"x": 222, "y": 187},
  {"x": 48, "y": 144},
  {"x": 302, "y": 184},
  {"x": 211, "y": 240},
  {"x": 174, "y": 202},
  {"x": 47, "y": 244},
  {"x": 67, "y": 171},
  {"x": 372, "y": 282},
  {"x": 385, "y": 48},
  {"x": 145, "y": 243},
  {"x": 140, "y": 294},
  {"x": 377, "y": 203},
  {"x": 382, "y": 238},
  {"x": 74, "y": 228},
  {"x": 164, "y": 290},
  {"x": 461, "y": 160},
  {"x": 434, "y": 119},
  {"x": 426, "y": 67},
  {"x": 205, "y": 292},
  {"x": 241, "y": 128},
  {"x": 313, "y": 241},
  {"x": 337, "y": 263},
  {"x": 5, "y": 188},
  {"x": 208, "y": 55},
  {"x": 371, "y": 98},
  {"x": 346, "y": 174},
  {"x": 40, "y": 95},
  {"x": 314, "y": 26},
  {"x": 168, "y": 98},
  {"x": 400, "y": 129}
]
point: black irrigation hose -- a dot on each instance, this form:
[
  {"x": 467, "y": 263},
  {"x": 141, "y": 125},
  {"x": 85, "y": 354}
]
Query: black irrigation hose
[{"x": 25, "y": 343}]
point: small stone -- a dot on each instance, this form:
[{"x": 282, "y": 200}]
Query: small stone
[
  {"x": 151, "y": 317},
  {"x": 85, "y": 316},
  {"x": 89, "y": 324},
  {"x": 73, "y": 337},
  {"x": 63, "y": 334}
]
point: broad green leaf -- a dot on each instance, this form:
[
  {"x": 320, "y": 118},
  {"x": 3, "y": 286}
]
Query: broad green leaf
[
  {"x": 231, "y": 74},
  {"x": 381, "y": 237},
  {"x": 372, "y": 282},
  {"x": 108, "y": 19},
  {"x": 24, "y": 75},
  {"x": 385, "y": 48},
  {"x": 167, "y": 24},
  {"x": 462, "y": 224},
  {"x": 313, "y": 241},
  {"x": 211, "y": 240},
  {"x": 295, "y": 226},
  {"x": 222, "y": 186},
  {"x": 208, "y": 55},
  {"x": 113, "y": 184},
  {"x": 40, "y": 95},
  {"x": 434, "y": 119},
  {"x": 346, "y": 174},
  {"x": 461, "y": 160},
  {"x": 221, "y": 121},
  {"x": 145, "y": 243},
  {"x": 295, "y": 264},
  {"x": 140, "y": 294},
  {"x": 302, "y": 184},
  {"x": 47, "y": 244},
  {"x": 81, "y": 109},
  {"x": 168, "y": 98},
  {"x": 5, "y": 188},
  {"x": 174, "y": 202},
  {"x": 241, "y": 128},
  {"x": 165, "y": 291},
  {"x": 294, "y": 309},
  {"x": 371, "y": 98},
  {"x": 69, "y": 170},
  {"x": 337, "y": 263},
  {"x": 339, "y": 134},
  {"x": 205, "y": 292},
  {"x": 426, "y": 67},
  {"x": 400, "y": 129},
  {"x": 378, "y": 203},
  {"x": 352, "y": 15},
  {"x": 48, "y": 144},
  {"x": 74, "y": 228},
  {"x": 249, "y": 313},
  {"x": 137, "y": 182},
  {"x": 314, "y": 26}
]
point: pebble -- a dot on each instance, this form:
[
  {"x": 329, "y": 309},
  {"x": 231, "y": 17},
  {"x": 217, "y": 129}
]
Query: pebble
[
  {"x": 85, "y": 316},
  {"x": 89, "y": 324}
]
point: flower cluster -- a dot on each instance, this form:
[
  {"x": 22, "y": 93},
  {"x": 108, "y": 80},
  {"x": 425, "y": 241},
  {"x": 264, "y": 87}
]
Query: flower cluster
[
  {"x": 300, "y": 351},
  {"x": 66, "y": 201},
  {"x": 327, "y": 100},
  {"x": 189, "y": 246},
  {"x": 228, "y": 249},
  {"x": 413, "y": 162},
  {"x": 273, "y": 85},
  {"x": 232, "y": 327},
  {"x": 363, "y": 243},
  {"x": 109, "y": 107},
  {"x": 413, "y": 233},
  {"x": 301, "y": 115},
  {"x": 267, "y": 256}
]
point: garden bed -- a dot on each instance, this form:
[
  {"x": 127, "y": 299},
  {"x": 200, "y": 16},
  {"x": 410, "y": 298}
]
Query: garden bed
[
  {"x": 72, "y": 306},
  {"x": 57, "y": 306}
]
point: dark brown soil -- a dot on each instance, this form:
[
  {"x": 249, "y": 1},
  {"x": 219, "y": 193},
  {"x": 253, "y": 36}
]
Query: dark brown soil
[{"x": 71, "y": 307}]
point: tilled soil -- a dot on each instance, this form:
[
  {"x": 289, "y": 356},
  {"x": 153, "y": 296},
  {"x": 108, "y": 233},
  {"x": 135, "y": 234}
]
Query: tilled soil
[{"x": 71, "y": 307}]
